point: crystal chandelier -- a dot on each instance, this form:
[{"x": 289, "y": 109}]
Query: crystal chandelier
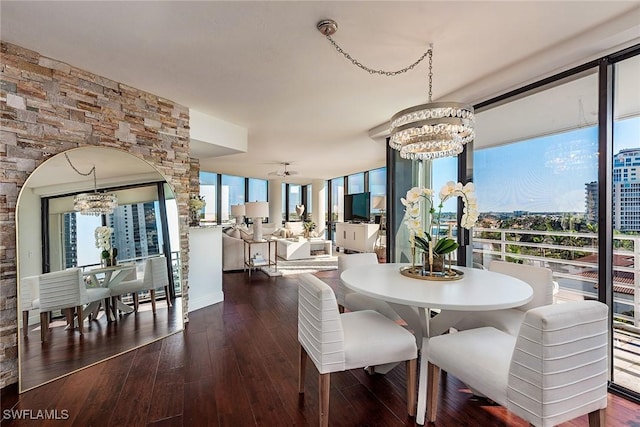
[
  {"x": 93, "y": 203},
  {"x": 422, "y": 132}
]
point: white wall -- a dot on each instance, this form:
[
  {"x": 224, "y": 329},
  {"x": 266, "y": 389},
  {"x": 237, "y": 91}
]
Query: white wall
[{"x": 205, "y": 267}]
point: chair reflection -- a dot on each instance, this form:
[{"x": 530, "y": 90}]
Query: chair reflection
[
  {"x": 66, "y": 290},
  {"x": 65, "y": 351}
]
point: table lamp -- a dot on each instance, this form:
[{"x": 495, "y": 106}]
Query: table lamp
[
  {"x": 257, "y": 211},
  {"x": 238, "y": 212}
]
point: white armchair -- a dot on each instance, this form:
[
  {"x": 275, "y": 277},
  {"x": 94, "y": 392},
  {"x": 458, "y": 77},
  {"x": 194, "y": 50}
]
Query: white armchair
[
  {"x": 66, "y": 290},
  {"x": 337, "y": 342},
  {"x": 554, "y": 370}
]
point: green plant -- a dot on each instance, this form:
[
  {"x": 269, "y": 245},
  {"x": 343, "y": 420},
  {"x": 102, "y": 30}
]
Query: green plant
[
  {"x": 442, "y": 247},
  {"x": 309, "y": 226}
]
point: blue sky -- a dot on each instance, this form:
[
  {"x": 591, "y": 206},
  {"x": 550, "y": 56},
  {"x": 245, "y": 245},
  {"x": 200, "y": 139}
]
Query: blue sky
[{"x": 546, "y": 174}]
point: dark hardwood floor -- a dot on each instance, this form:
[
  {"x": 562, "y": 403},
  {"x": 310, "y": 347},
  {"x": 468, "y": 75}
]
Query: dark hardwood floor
[
  {"x": 66, "y": 350},
  {"x": 236, "y": 365}
]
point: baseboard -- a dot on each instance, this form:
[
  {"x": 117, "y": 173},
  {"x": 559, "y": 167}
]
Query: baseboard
[{"x": 206, "y": 300}]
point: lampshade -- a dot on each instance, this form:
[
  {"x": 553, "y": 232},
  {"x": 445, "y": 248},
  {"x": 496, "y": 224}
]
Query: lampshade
[
  {"x": 257, "y": 209},
  {"x": 237, "y": 210},
  {"x": 379, "y": 202}
]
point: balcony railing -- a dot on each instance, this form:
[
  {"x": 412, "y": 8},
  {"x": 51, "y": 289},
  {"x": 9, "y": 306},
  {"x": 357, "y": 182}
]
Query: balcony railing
[{"x": 573, "y": 259}]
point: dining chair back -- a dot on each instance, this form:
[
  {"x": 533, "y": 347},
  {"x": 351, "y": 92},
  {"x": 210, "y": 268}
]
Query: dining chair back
[
  {"x": 338, "y": 342},
  {"x": 355, "y": 301},
  {"x": 29, "y": 300},
  {"x": 539, "y": 278},
  {"x": 153, "y": 276},
  {"x": 554, "y": 370}
]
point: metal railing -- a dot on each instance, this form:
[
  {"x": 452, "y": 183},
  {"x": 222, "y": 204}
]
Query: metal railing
[{"x": 572, "y": 257}]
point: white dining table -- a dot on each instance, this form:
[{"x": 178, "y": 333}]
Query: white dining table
[
  {"x": 477, "y": 290},
  {"x": 112, "y": 276}
]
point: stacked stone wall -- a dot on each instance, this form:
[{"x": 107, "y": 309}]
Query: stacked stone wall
[{"x": 48, "y": 107}]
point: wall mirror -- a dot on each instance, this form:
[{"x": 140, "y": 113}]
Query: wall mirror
[{"x": 51, "y": 237}]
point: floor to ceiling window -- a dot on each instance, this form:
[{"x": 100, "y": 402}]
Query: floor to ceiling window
[
  {"x": 208, "y": 189},
  {"x": 626, "y": 224},
  {"x": 538, "y": 167},
  {"x": 232, "y": 193}
]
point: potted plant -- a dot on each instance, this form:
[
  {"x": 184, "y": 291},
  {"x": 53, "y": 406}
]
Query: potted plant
[
  {"x": 196, "y": 203},
  {"x": 309, "y": 226},
  {"x": 434, "y": 247}
]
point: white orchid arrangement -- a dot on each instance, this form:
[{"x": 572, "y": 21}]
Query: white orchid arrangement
[
  {"x": 419, "y": 235},
  {"x": 196, "y": 202},
  {"x": 103, "y": 239}
]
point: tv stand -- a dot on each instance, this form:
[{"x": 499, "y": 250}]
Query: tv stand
[{"x": 356, "y": 237}]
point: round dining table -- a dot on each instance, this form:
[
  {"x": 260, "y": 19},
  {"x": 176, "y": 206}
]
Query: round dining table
[{"x": 412, "y": 298}]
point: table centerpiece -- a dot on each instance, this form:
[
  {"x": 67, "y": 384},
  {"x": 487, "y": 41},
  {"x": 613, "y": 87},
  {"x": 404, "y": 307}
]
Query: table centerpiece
[{"x": 433, "y": 247}]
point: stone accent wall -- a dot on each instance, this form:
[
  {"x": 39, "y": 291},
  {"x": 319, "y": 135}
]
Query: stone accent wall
[{"x": 48, "y": 107}]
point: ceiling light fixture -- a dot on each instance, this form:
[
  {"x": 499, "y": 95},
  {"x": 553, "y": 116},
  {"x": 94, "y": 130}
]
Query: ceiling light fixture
[
  {"x": 284, "y": 172},
  {"x": 426, "y": 131},
  {"x": 93, "y": 203}
]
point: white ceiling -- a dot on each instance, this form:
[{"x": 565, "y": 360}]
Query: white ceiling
[{"x": 265, "y": 67}]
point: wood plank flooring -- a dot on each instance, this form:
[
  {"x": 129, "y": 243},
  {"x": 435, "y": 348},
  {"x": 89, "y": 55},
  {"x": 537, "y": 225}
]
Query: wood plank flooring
[{"x": 236, "y": 365}]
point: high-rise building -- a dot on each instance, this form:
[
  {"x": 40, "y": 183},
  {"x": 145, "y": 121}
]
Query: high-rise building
[
  {"x": 591, "y": 202},
  {"x": 135, "y": 232},
  {"x": 70, "y": 241},
  {"x": 626, "y": 190}
]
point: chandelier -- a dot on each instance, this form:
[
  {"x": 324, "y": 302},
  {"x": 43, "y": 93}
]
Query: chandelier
[
  {"x": 93, "y": 203},
  {"x": 422, "y": 132}
]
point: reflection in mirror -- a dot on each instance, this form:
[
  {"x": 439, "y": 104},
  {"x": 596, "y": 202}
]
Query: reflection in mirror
[{"x": 53, "y": 237}]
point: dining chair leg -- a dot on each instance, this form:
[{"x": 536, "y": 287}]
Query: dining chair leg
[
  {"x": 153, "y": 300},
  {"x": 107, "y": 309},
  {"x": 324, "y": 386},
  {"x": 44, "y": 326},
  {"x": 68, "y": 315},
  {"x": 80, "y": 319},
  {"x": 597, "y": 418},
  {"x": 136, "y": 302},
  {"x": 25, "y": 323},
  {"x": 433, "y": 381},
  {"x": 168, "y": 296},
  {"x": 412, "y": 372},
  {"x": 302, "y": 367}
]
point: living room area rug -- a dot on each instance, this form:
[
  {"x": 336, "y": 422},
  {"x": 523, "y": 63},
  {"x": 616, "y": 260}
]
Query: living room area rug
[{"x": 306, "y": 265}]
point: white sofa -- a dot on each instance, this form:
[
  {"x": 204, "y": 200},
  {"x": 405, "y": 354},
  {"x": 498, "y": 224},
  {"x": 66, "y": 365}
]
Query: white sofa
[
  {"x": 294, "y": 229},
  {"x": 233, "y": 245}
]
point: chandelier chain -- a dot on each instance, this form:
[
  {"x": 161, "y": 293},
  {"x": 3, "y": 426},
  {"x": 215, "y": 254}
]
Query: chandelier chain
[
  {"x": 92, "y": 171},
  {"x": 358, "y": 64},
  {"x": 430, "y": 73}
]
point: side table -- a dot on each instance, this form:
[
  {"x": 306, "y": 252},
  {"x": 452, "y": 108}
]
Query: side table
[{"x": 251, "y": 263}]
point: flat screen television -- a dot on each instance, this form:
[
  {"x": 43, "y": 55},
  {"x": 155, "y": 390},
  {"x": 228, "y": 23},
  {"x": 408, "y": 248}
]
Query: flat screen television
[{"x": 357, "y": 207}]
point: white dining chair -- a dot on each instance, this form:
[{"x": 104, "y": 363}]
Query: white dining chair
[
  {"x": 29, "y": 300},
  {"x": 555, "y": 369},
  {"x": 355, "y": 301},
  {"x": 338, "y": 342},
  {"x": 507, "y": 320},
  {"x": 153, "y": 276},
  {"x": 66, "y": 289}
]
